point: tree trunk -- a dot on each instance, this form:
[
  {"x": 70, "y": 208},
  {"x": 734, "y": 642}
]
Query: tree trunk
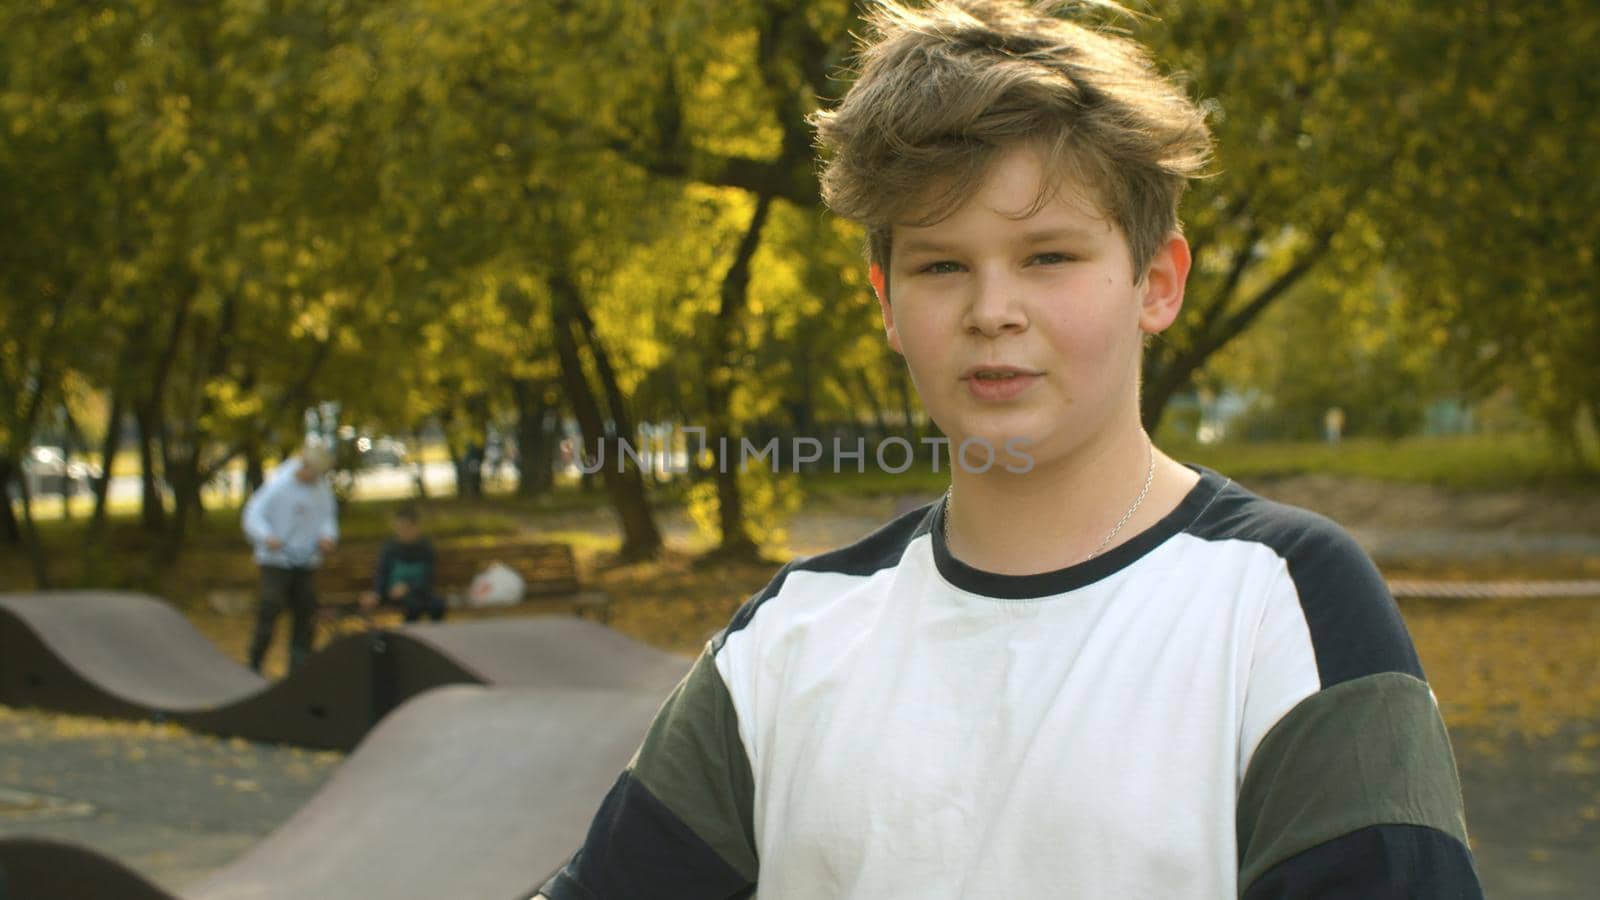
[
  {"x": 30, "y": 535},
  {"x": 880, "y": 418},
  {"x": 10, "y": 528},
  {"x": 534, "y": 472},
  {"x": 1220, "y": 321},
  {"x": 1589, "y": 463},
  {"x": 544, "y": 457},
  {"x": 736, "y": 541},
  {"x": 640, "y": 537},
  {"x": 255, "y": 469},
  {"x": 419, "y": 478},
  {"x": 187, "y": 504},
  {"x": 108, "y": 454},
  {"x": 152, "y": 506}
]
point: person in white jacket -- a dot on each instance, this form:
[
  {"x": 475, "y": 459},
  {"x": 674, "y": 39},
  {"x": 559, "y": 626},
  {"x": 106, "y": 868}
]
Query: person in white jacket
[{"x": 292, "y": 522}]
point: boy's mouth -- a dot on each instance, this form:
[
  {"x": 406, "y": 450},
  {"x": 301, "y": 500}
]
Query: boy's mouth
[
  {"x": 996, "y": 373},
  {"x": 1000, "y": 384}
]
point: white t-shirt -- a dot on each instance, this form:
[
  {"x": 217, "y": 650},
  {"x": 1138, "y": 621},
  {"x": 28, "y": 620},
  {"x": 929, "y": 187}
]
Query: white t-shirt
[{"x": 886, "y": 722}]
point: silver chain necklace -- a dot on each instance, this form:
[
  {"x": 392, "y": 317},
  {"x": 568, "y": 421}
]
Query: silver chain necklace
[{"x": 1149, "y": 478}]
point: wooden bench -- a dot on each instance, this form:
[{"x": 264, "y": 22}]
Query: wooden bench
[{"x": 547, "y": 570}]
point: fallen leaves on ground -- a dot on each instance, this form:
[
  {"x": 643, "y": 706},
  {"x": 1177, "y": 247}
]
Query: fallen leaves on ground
[{"x": 1511, "y": 667}]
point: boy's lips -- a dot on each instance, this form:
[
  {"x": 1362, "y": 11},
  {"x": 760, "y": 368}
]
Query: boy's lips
[
  {"x": 997, "y": 371},
  {"x": 996, "y": 384}
]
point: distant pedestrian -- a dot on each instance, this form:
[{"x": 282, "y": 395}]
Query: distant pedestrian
[
  {"x": 1333, "y": 425},
  {"x": 292, "y": 521}
]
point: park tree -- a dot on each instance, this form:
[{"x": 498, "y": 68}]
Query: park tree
[
  {"x": 1424, "y": 147},
  {"x": 254, "y": 273},
  {"x": 1498, "y": 263},
  {"x": 217, "y": 215},
  {"x": 1312, "y": 106},
  {"x": 1356, "y": 348},
  {"x": 473, "y": 169},
  {"x": 215, "y": 243},
  {"x": 735, "y": 85},
  {"x": 57, "y": 222}
]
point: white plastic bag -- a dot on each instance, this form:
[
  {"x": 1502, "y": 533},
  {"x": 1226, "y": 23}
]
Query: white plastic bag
[{"x": 498, "y": 585}]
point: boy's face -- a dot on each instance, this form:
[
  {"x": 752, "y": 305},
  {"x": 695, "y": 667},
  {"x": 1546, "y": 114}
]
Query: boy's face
[
  {"x": 407, "y": 530},
  {"x": 1030, "y": 327}
]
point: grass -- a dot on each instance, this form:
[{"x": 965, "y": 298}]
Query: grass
[
  {"x": 1457, "y": 462},
  {"x": 1471, "y": 461}
]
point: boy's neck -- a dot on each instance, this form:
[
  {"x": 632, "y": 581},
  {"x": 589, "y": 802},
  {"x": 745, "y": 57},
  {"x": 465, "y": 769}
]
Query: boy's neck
[{"x": 1060, "y": 515}]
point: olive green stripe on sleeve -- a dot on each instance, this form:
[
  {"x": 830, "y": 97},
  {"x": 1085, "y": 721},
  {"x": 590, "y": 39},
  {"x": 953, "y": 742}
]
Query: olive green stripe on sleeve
[
  {"x": 694, "y": 762},
  {"x": 1371, "y": 751}
]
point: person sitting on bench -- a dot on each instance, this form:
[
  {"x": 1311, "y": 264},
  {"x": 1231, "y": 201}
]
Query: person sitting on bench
[{"x": 406, "y": 569}]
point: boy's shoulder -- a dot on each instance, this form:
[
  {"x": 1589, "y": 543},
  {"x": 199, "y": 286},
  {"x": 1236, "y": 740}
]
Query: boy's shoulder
[
  {"x": 1232, "y": 512},
  {"x": 879, "y": 550},
  {"x": 1353, "y": 623},
  {"x": 882, "y": 549}
]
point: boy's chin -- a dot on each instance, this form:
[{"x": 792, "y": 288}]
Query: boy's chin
[{"x": 987, "y": 452}]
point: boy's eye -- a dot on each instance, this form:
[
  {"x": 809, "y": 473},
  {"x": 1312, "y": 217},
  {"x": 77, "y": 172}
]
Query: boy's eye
[
  {"x": 1051, "y": 259},
  {"x": 941, "y": 267}
]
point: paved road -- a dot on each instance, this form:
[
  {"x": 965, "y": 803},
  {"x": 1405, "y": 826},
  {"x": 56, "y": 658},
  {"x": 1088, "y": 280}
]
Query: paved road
[{"x": 172, "y": 804}]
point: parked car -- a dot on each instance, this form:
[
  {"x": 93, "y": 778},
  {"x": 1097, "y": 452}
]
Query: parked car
[
  {"x": 49, "y": 471},
  {"x": 385, "y": 451}
]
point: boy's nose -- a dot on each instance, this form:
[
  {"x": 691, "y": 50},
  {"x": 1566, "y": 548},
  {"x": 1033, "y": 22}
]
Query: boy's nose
[{"x": 996, "y": 307}]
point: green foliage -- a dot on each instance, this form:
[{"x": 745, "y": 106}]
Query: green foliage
[
  {"x": 1500, "y": 262},
  {"x": 1330, "y": 344},
  {"x": 1427, "y": 147},
  {"x": 770, "y": 500},
  {"x": 230, "y": 211}
]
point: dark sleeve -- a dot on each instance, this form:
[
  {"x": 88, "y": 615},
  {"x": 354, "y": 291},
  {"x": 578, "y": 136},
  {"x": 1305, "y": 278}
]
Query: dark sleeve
[
  {"x": 677, "y": 824},
  {"x": 1379, "y": 862},
  {"x": 1351, "y": 789},
  {"x": 1354, "y": 794}
]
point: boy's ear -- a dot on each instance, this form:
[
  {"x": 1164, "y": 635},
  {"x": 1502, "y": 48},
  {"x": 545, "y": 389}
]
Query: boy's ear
[
  {"x": 1164, "y": 278},
  {"x": 879, "y": 287}
]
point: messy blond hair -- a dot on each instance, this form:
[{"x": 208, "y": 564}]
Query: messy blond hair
[{"x": 945, "y": 87}]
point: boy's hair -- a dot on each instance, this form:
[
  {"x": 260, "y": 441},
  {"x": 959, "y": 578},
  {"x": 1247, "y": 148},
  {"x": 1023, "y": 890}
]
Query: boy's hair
[
  {"x": 943, "y": 88},
  {"x": 407, "y": 512}
]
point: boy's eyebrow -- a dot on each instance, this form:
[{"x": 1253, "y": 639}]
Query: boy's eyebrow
[
  {"x": 922, "y": 246},
  {"x": 1063, "y": 233},
  {"x": 1039, "y": 236}
]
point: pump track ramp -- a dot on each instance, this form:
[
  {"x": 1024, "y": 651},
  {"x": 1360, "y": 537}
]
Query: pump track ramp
[
  {"x": 126, "y": 655},
  {"x": 466, "y": 793}
]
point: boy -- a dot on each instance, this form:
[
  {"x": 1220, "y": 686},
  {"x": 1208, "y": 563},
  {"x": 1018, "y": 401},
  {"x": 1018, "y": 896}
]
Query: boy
[
  {"x": 292, "y": 521},
  {"x": 406, "y": 566},
  {"x": 1106, "y": 676}
]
